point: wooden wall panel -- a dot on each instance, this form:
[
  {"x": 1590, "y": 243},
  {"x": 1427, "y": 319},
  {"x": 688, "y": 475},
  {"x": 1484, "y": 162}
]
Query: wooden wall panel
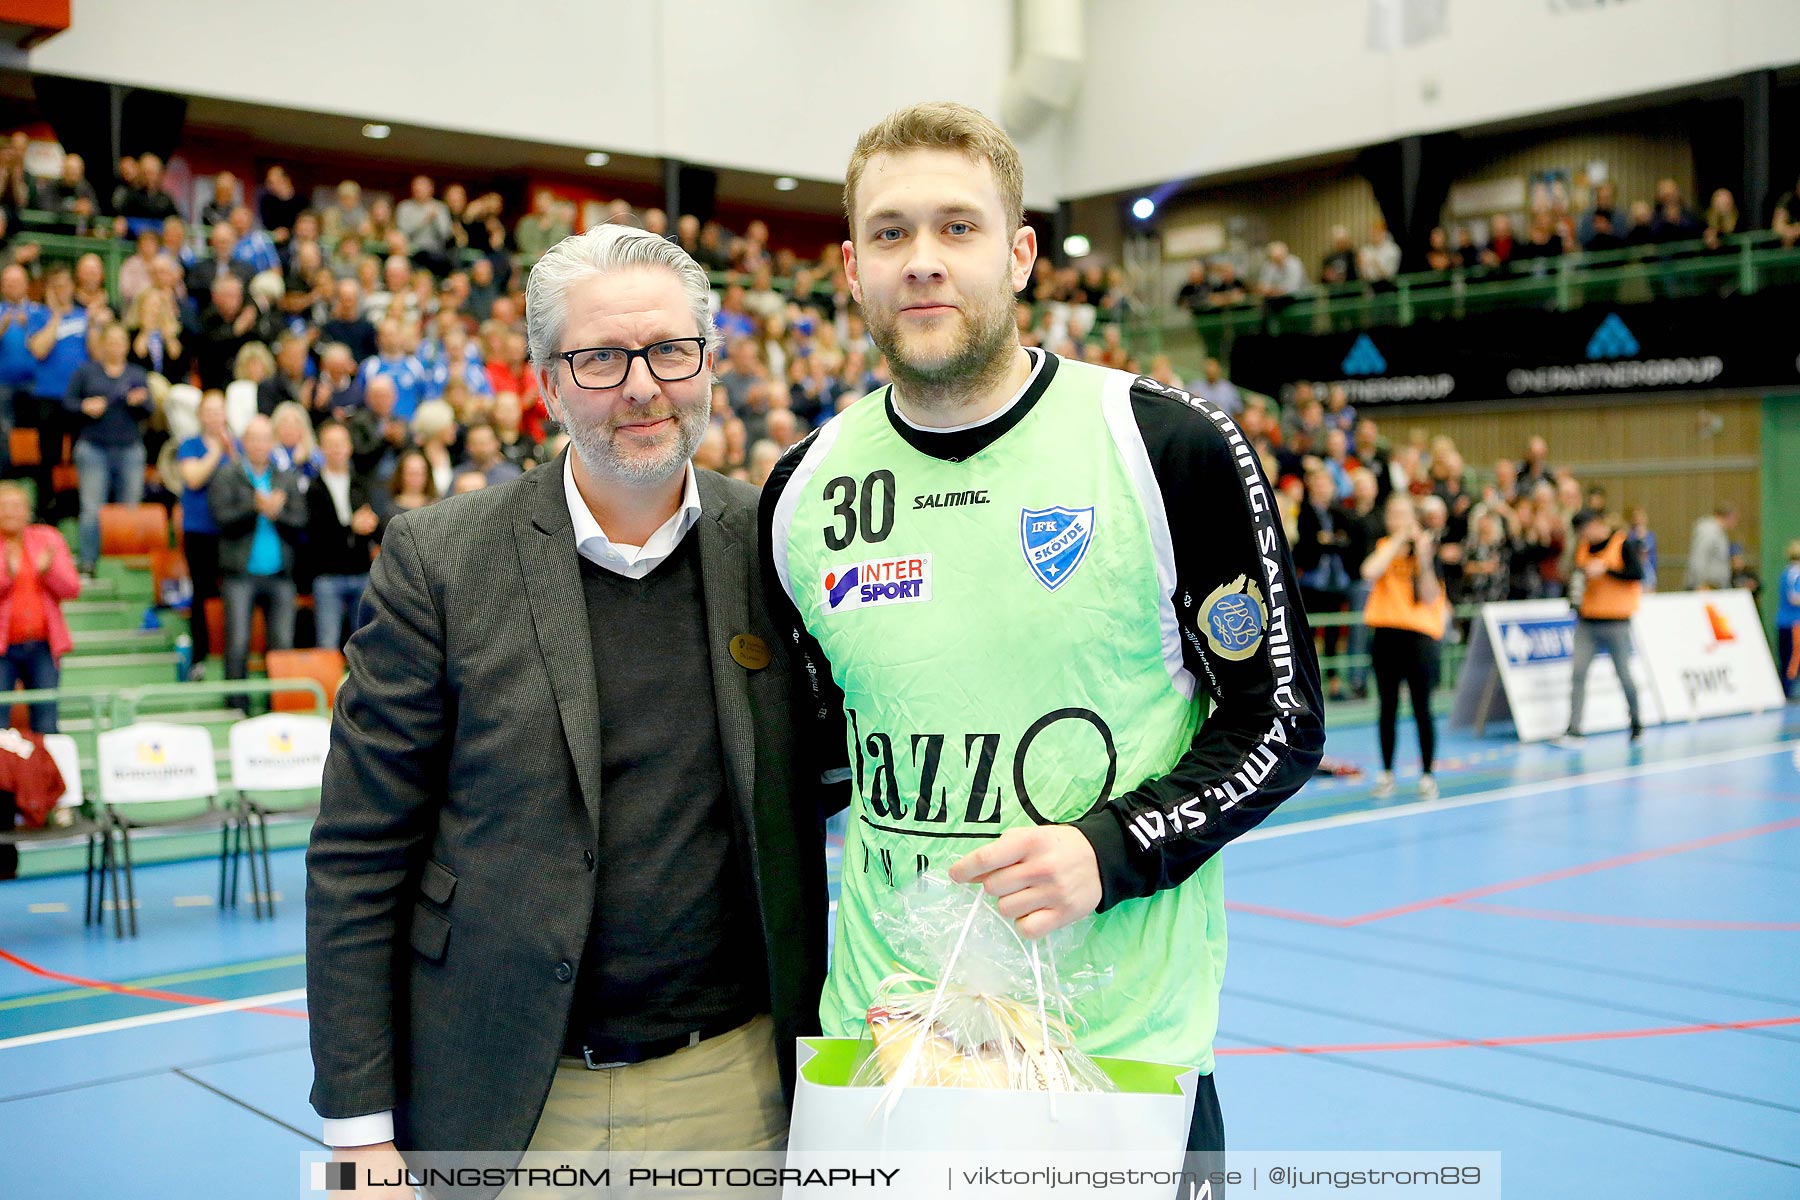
[
  {"x": 1299, "y": 208},
  {"x": 1638, "y": 150}
]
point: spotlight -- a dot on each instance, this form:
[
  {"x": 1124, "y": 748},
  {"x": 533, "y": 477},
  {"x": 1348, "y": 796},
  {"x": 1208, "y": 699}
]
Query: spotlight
[
  {"x": 1076, "y": 246},
  {"x": 598, "y": 158},
  {"x": 786, "y": 183},
  {"x": 1143, "y": 208},
  {"x": 376, "y": 131}
]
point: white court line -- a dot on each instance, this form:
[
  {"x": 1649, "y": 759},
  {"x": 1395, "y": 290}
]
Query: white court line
[
  {"x": 1610, "y": 775},
  {"x": 160, "y": 1018}
]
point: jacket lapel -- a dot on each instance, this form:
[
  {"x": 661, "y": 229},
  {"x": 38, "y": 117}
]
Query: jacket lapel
[
  {"x": 546, "y": 542},
  {"x": 725, "y": 587}
]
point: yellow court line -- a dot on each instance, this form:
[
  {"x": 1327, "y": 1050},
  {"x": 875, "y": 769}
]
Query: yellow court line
[{"x": 154, "y": 981}]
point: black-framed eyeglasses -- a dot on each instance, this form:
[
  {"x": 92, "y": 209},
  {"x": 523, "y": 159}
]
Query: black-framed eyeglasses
[{"x": 670, "y": 361}]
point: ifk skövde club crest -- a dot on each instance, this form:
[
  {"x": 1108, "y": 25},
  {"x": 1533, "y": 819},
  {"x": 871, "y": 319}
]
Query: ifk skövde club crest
[{"x": 1055, "y": 540}]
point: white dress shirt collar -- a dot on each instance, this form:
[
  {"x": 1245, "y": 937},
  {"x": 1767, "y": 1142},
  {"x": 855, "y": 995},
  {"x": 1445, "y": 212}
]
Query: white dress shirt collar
[{"x": 633, "y": 562}]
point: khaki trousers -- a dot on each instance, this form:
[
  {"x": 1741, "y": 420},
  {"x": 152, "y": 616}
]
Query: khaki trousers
[{"x": 723, "y": 1094}]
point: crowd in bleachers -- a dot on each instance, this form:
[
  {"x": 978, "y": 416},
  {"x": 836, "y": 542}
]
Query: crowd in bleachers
[
  {"x": 380, "y": 347},
  {"x": 396, "y": 329},
  {"x": 292, "y": 376},
  {"x": 1503, "y": 534},
  {"x": 1496, "y": 247}
]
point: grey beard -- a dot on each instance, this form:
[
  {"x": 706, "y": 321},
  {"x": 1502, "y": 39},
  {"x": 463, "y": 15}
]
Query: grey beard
[{"x": 601, "y": 457}]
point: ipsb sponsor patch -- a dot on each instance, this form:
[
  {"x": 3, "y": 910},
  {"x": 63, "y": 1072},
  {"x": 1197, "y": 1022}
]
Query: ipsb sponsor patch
[
  {"x": 1235, "y": 619},
  {"x": 877, "y": 583}
]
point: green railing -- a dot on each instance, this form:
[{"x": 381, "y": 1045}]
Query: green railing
[
  {"x": 1451, "y": 656},
  {"x": 98, "y": 705},
  {"x": 126, "y": 701},
  {"x": 66, "y": 248},
  {"x": 1743, "y": 264}
]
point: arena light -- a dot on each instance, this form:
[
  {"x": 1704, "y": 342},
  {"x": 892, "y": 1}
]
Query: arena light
[
  {"x": 1076, "y": 246},
  {"x": 1143, "y": 208},
  {"x": 786, "y": 183},
  {"x": 597, "y": 158},
  {"x": 376, "y": 131}
]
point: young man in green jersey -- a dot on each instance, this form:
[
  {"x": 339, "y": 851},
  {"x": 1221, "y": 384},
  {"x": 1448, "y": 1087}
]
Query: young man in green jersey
[{"x": 1008, "y": 578}]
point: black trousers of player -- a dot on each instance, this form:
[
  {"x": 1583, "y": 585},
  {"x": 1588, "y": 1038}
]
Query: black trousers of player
[
  {"x": 1207, "y": 1130},
  {"x": 1402, "y": 656},
  {"x": 1206, "y": 1138}
]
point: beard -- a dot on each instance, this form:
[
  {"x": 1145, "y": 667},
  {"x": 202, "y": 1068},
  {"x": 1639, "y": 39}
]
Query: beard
[
  {"x": 940, "y": 379},
  {"x": 605, "y": 452}
]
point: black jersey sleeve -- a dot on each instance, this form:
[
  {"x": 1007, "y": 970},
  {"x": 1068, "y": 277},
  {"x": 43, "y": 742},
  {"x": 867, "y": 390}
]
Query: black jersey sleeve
[
  {"x": 1246, "y": 641},
  {"x": 817, "y": 699}
]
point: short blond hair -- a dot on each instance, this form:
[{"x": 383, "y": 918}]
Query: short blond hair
[{"x": 942, "y": 125}]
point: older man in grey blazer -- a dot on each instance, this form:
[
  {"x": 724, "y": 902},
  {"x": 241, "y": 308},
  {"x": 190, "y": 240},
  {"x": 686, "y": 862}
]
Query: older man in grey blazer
[{"x": 566, "y": 890}]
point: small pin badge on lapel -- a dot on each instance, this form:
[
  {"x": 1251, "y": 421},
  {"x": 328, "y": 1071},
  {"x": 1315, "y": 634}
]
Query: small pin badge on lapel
[{"x": 750, "y": 652}]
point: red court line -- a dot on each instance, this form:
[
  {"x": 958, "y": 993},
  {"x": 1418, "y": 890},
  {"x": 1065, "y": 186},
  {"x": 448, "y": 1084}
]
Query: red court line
[
  {"x": 1605, "y": 864},
  {"x": 1510, "y": 885},
  {"x": 1575, "y": 918},
  {"x": 1287, "y": 914},
  {"x": 1530, "y": 1039},
  {"x": 125, "y": 989}
]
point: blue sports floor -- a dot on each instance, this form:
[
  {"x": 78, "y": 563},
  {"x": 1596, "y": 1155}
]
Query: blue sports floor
[{"x": 1588, "y": 961}]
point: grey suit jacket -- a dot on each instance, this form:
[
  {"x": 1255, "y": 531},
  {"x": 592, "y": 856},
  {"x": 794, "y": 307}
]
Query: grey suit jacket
[{"x": 450, "y": 879}]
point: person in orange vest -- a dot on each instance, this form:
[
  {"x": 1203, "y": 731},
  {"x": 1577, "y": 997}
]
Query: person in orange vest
[
  {"x": 1612, "y": 565},
  {"x": 1406, "y": 613}
]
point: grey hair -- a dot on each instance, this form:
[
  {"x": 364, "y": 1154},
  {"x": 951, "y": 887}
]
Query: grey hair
[
  {"x": 432, "y": 418},
  {"x": 600, "y": 251}
]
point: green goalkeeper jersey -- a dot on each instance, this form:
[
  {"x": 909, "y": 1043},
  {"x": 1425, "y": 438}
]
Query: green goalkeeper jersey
[{"x": 1013, "y": 623}]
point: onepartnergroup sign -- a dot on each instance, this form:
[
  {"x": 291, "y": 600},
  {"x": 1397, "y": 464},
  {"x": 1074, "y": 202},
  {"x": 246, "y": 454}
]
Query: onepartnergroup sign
[{"x": 1524, "y": 354}]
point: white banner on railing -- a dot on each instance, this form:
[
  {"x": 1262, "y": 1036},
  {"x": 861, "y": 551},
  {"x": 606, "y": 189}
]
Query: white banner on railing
[
  {"x": 1708, "y": 654},
  {"x": 1694, "y": 654},
  {"x": 1520, "y": 666}
]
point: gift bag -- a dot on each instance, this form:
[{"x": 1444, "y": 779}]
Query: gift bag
[
  {"x": 975, "y": 1063},
  {"x": 929, "y": 1132}
]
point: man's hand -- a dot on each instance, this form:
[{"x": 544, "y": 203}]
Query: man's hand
[
  {"x": 381, "y": 1161},
  {"x": 138, "y": 396},
  {"x": 94, "y": 406},
  {"x": 1043, "y": 878},
  {"x": 363, "y": 521},
  {"x": 269, "y": 504}
]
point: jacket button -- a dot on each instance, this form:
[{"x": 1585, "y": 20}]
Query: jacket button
[
  {"x": 587, "y": 858},
  {"x": 564, "y": 972}
]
